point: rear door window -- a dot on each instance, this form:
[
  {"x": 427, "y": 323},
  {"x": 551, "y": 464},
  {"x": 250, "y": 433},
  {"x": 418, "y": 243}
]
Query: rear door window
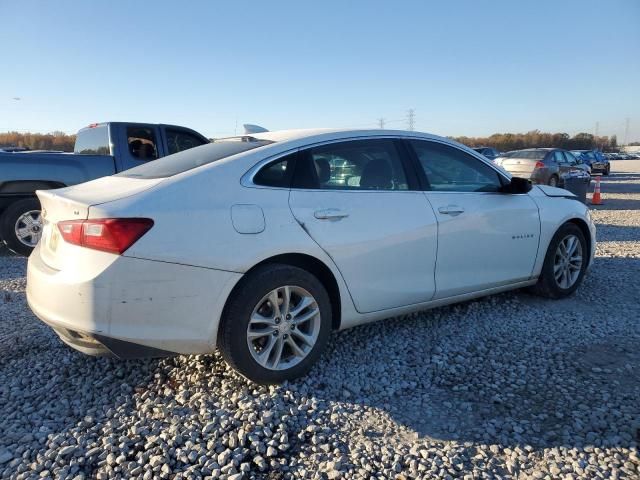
[
  {"x": 570, "y": 158},
  {"x": 179, "y": 140},
  {"x": 142, "y": 143},
  {"x": 372, "y": 164}
]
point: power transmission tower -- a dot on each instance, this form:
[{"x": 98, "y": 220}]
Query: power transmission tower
[
  {"x": 381, "y": 122},
  {"x": 626, "y": 130},
  {"x": 411, "y": 118}
]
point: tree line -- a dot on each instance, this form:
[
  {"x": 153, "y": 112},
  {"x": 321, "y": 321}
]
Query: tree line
[
  {"x": 500, "y": 141},
  {"x": 38, "y": 141},
  {"x": 535, "y": 138}
]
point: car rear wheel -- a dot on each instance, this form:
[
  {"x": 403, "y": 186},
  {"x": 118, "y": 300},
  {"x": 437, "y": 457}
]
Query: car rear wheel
[
  {"x": 21, "y": 226},
  {"x": 565, "y": 263},
  {"x": 607, "y": 170},
  {"x": 276, "y": 324},
  {"x": 553, "y": 181}
]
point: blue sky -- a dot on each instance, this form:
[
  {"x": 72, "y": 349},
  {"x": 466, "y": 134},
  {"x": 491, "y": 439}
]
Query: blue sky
[{"x": 465, "y": 67}]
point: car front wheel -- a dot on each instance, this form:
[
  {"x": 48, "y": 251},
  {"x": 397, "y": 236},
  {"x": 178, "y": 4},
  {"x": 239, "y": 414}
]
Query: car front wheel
[
  {"x": 565, "y": 263},
  {"x": 275, "y": 324}
]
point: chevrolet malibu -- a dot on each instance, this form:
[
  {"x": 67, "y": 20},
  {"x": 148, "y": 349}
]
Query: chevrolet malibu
[{"x": 261, "y": 245}]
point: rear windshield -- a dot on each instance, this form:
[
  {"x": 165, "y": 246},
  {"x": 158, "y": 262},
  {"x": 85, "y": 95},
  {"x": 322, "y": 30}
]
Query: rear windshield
[
  {"x": 93, "y": 141},
  {"x": 529, "y": 154},
  {"x": 194, "y": 157}
]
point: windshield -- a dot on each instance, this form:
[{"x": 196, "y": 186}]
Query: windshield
[
  {"x": 529, "y": 154},
  {"x": 194, "y": 157}
]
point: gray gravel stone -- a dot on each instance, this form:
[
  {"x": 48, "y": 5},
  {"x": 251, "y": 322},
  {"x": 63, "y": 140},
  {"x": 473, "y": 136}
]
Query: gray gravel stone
[{"x": 509, "y": 386}]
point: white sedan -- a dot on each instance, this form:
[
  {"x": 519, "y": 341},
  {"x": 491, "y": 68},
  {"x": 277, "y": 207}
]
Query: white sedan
[{"x": 261, "y": 245}]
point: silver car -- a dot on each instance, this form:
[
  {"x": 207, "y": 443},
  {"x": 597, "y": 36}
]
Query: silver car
[{"x": 546, "y": 166}]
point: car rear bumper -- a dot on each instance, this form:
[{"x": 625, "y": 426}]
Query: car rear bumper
[
  {"x": 99, "y": 345},
  {"x": 541, "y": 176},
  {"x": 130, "y": 307}
]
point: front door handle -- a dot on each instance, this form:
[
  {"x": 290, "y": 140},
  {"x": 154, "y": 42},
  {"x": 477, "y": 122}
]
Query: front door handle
[
  {"x": 452, "y": 210},
  {"x": 330, "y": 214}
]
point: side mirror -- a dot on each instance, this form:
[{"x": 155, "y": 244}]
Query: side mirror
[{"x": 517, "y": 185}]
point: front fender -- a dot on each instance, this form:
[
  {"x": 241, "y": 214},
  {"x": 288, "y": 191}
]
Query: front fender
[{"x": 555, "y": 211}]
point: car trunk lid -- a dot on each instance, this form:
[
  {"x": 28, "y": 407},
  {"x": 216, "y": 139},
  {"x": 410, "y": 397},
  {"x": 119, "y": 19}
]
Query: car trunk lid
[
  {"x": 72, "y": 203},
  {"x": 519, "y": 167}
]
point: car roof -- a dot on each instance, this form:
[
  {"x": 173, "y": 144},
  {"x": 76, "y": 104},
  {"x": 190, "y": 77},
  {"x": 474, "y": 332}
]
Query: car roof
[
  {"x": 136, "y": 124},
  {"x": 320, "y": 134}
]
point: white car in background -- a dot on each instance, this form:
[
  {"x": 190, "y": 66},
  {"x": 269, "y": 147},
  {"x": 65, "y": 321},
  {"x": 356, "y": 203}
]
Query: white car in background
[{"x": 261, "y": 245}]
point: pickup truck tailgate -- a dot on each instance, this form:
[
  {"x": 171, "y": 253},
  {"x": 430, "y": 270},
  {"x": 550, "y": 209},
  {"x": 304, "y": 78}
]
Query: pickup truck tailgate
[{"x": 72, "y": 203}]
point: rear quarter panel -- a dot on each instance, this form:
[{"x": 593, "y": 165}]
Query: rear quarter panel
[{"x": 193, "y": 226}]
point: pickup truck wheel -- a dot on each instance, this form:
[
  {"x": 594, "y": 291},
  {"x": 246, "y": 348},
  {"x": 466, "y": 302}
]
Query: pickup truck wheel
[{"x": 21, "y": 226}]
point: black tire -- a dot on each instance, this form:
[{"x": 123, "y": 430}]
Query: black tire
[
  {"x": 8, "y": 224},
  {"x": 553, "y": 179},
  {"x": 607, "y": 170},
  {"x": 547, "y": 285},
  {"x": 232, "y": 335}
]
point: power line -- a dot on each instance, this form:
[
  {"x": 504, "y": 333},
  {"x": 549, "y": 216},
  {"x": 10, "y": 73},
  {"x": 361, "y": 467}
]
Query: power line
[
  {"x": 626, "y": 130},
  {"x": 411, "y": 119}
]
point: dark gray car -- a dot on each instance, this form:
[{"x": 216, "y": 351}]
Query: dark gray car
[{"x": 547, "y": 166}]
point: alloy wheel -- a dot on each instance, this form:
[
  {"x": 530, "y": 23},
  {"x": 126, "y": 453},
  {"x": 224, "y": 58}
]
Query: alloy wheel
[
  {"x": 568, "y": 261},
  {"x": 283, "y": 328}
]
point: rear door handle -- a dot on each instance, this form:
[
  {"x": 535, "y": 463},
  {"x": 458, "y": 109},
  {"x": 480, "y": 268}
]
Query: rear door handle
[
  {"x": 330, "y": 214},
  {"x": 452, "y": 210}
]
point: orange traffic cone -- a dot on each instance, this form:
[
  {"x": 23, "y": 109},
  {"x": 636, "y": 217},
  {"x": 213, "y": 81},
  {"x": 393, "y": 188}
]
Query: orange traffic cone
[{"x": 595, "y": 199}]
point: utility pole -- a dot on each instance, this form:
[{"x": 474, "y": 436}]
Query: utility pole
[
  {"x": 381, "y": 122},
  {"x": 626, "y": 130},
  {"x": 595, "y": 139},
  {"x": 411, "y": 119}
]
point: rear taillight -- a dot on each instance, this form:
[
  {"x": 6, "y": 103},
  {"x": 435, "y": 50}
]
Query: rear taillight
[
  {"x": 114, "y": 235},
  {"x": 539, "y": 165}
]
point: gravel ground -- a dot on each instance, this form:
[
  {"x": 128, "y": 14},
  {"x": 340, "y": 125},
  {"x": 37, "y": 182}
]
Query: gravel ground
[{"x": 511, "y": 386}]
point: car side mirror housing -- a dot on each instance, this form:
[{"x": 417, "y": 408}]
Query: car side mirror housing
[{"x": 517, "y": 185}]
